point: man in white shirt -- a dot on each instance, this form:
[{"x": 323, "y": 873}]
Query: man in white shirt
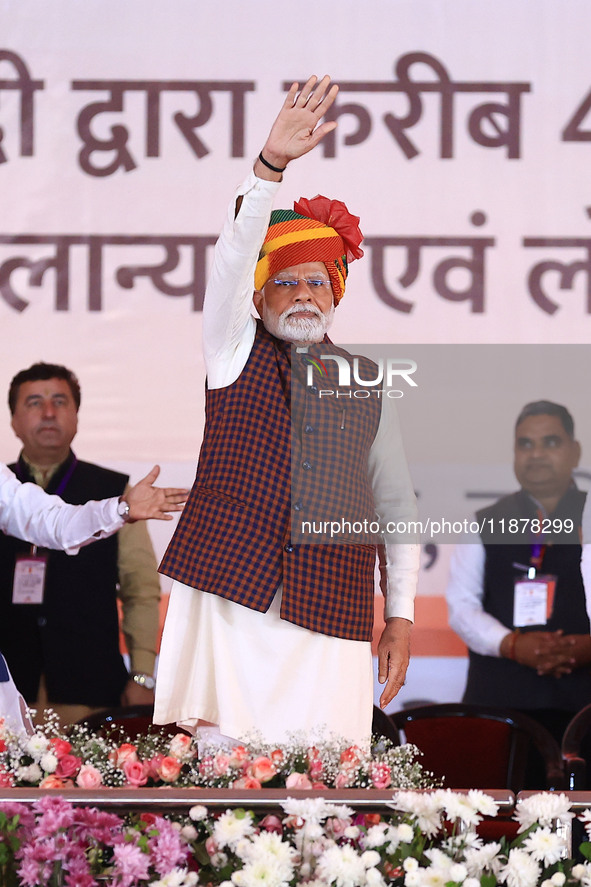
[{"x": 31, "y": 514}]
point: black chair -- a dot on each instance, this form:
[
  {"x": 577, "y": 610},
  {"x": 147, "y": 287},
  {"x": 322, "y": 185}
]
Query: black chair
[
  {"x": 382, "y": 725},
  {"x": 477, "y": 746},
  {"x": 133, "y": 720},
  {"x": 576, "y": 750}
]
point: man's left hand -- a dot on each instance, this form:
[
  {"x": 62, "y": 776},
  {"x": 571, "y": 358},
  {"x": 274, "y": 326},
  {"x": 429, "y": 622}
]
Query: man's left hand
[
  {"x": 134, "y": 694},
  {"x": 393, "y": 657}
]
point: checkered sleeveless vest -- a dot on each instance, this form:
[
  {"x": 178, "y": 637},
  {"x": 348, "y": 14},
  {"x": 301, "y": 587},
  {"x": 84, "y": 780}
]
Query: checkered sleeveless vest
[{"x": 234, "y": 536}]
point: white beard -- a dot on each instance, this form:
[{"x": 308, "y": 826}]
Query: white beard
[{"x": 298, "y": 330}]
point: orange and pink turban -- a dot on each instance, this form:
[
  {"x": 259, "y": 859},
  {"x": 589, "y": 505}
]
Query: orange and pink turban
[{"x": 316, "y": 230}]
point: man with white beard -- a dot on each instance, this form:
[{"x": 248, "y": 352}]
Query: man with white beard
[{"x": 263, "y": 634}]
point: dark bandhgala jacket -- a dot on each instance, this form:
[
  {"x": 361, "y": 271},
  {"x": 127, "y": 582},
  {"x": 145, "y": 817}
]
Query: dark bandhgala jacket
[
  {"x": 500, "y": 681},
  {"x": 234, "y": 539},
  {"x": 73, "y": 637}
]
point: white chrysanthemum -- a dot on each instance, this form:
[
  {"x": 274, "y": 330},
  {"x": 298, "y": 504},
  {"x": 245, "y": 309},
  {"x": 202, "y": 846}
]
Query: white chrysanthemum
[
  {"x": 480, "y": 859},
  {"x": 543, "y": 808},
  {"x": 432, "y": 876},
  {"x": 458, "y": 872},
  {"x": 230, "y": 828},
  {"x": 189, "y": 832},
  {"x": 521, "y": 869},
  {"x": 269, "y": 846},
  {"x": 37, "y": 745},
  {"x": 352, "y": 832},
  {"x": 405, "y": 833},
  {"x": 483, "y": 802},
  {"x": 410, "y": 864},
  {"x": 265, "y": 872},
  {"x": 48, "y": 762},
  {"x": 176, "y": 878},
  {"x": 376, "y": 835},
  {"x": 461, "y": 807},
  {"x": 558, "y": 879},
  {"x": 426, "y": 807},
  {"x": 545, "y": 846},
  {"x": 471, "y": 882},
  {"x": 32, "y": 773},
  {"x": 315, "y": 809},
  {"x": 341, "y": 866},
  {"x": 198, "y": 812},
  {"x": 374, "y": 878},
  {"x": 580, "y": 871},
  {"x": 412, "y": 879},
  {"x": 370, "y": 858}
]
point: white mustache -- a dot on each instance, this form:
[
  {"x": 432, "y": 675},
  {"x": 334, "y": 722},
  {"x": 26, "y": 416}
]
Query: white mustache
[{"x": 300, "y": 309}]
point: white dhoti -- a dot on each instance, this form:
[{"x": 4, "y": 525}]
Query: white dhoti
[{"x": 248, "y": 671}]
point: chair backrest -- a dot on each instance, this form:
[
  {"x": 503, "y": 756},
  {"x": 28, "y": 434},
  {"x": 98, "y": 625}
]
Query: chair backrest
[
  {"x": 382, "y": 725},
  {"x": 134, "y": 720},
  {"x": 576, "y": 750},
  {"x": 476, "y": 746}
]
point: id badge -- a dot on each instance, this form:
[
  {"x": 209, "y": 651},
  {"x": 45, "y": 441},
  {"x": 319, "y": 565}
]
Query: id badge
[
  {"x": 29, "y": 579},
  {"x": 533, "y": 600}
]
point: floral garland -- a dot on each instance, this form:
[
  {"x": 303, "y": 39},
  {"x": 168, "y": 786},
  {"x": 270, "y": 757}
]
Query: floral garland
[
  {"x": 79, "y": 757},
  {"x": 429, "y": 840}
]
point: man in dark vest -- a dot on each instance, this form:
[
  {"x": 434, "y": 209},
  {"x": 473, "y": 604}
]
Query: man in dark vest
[
  {"x": 264, "y": 633},
  {"x": 61, "y": 640},
  {"x": 517, "y": 600}
]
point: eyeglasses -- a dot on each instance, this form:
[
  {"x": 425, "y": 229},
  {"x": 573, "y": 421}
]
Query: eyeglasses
[{"x": 311, "y": 282}]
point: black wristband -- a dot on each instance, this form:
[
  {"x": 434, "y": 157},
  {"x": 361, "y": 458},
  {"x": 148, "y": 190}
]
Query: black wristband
[{"x": 268, "y": 165}]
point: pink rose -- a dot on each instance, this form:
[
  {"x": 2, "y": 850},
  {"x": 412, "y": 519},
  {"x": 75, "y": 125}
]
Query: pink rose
[
  {"x": 88, "y": 777},
  {"x": 169, "y": 769},
  {"x": 125, "y": 752},
  {"x": 297, "y": 780},
  {"x": 221, "y": 764},
  {"x": 343, "y": 779},
  {"x": 316, "y": 769},
  {"x": 336, "y": 827},
  {"x": 52, "y": 781},
  {"x": 6, "y": 778},
  {"x": 238, "y": 756},
  {"x": 153, "y": 765},
  {"x": 68, "y": 765},
  {"x": 211, "y": 846},
  {"x": 320, "y": 786},
  {"x": 262, "y": 769},
  {"x": 351, "y": 756},
  {"x": 380, "y": 775},
  {"x": 136, "y": 773},
  {"x": 246, "y": 782},
  {"x": 60, "y": 747},
  {"x": 180, "y": 746},
  {"x": 271, "y": 823},
  {"x": 277, "y": 756}
]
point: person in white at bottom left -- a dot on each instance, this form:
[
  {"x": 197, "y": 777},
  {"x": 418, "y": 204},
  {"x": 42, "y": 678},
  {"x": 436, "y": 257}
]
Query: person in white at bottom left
[{"x": 31, "y": 514}]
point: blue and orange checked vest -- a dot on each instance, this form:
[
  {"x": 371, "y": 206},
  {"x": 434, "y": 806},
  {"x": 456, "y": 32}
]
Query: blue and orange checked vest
[{"x": 234, "y": 536}]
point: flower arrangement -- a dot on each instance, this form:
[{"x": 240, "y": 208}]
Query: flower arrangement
[
  {"x": 428, "y": 840},
  {"x": 78, "y": 757}
]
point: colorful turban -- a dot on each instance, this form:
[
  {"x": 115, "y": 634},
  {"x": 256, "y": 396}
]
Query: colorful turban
[{"x": 316, "y": 230}]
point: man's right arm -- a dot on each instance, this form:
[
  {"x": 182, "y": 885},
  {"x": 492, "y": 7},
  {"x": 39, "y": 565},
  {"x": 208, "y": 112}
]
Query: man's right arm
[{"x": 480, "y": 631}]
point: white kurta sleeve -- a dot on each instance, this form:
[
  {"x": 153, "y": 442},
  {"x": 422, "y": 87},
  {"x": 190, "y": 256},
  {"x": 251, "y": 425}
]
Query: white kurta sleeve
[
  {"x": 396, "y": 502},
  {"x": 29, "y": 513},
  {"x": 480, "y": 631},
  {"x": 228, "y": 324}
]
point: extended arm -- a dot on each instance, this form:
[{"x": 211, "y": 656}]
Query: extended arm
[
  {"x": 29, "y": 513},
  {"x": 228, "y": 324}
]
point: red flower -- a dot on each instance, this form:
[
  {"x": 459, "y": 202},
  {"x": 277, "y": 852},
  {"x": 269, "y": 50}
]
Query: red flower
[
  {"x": 335, "y": 214},
  {"x": 68, "y": 765},
  {"x": 60, "y": 747}
]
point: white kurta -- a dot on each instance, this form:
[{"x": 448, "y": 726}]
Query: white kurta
[
  {"x": 29, "y": 513},
  {"x": 238, "y": 668}
]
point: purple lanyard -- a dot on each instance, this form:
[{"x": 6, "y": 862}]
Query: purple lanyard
[{"x": 62, "y": 484}]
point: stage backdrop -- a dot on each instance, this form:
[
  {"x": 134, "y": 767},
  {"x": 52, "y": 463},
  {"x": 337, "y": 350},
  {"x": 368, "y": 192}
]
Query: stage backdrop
[{"x": 463, "y": 143}]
